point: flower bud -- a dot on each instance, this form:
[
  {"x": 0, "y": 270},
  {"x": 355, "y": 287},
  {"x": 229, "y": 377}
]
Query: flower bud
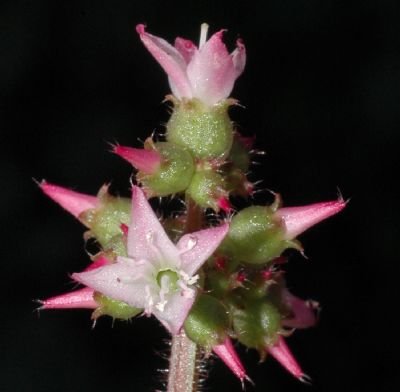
[
  {"x": 111, "y": 307},
  {"x": 173, "y": 174},
  {"x": 208, "y": 322},
  {"x": 105, "y": 220},
  {"x": 255, "y": 236},
  {"x": 256, "y": 324},
  {"x": 205, "y": 131},
  {"x": 207, "y": 189}
]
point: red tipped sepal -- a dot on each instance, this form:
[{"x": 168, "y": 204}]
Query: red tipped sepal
[
  {"x": 296, "y": 220},
  {"x": 74, "y": 202},
  {"x": 228, "y": 355},
  {"x": 79, "y": 299},
  {"x": 147, "y": 161},
  {"x": 281, "y": 352}
]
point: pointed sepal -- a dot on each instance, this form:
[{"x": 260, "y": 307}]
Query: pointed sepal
[
  {"x": 281, "y": 352},
  {"x": 74, "y": 202},
  {"x": 296, "y": 220},
  {"x": 226, "y": 352},
  {"x": 78, "y": 299}
]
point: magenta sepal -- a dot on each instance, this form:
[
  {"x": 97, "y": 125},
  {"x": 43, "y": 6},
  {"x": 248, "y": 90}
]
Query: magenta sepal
[
  {"x": 281, "y": 352},
  {"x": 100, "y": 262},
  {"x": 298, "y": 219},
  {"x": 147, "y": 161},
  {"x": 304, "y": 312},
  {"x": 74, "y": 202},
  {"x": 79, "y": 299},
  {"x": 228, "y": 355}
]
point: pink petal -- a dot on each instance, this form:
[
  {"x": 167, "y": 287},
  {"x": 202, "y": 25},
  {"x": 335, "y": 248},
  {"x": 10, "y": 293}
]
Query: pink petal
[
  {"x": 228, "y": 355},
  {"x": 239, "y": 58},
  {"x": 304, "y": 311},
  {"x": 299, "y": 219},
  {"x": 283, "y": 355},
  {"x": 145, "y": 224},
  {"x": 116, "y": 281},
  {"x": 147, "y": 161},
  {"x": 211, "y": 71},
  {"x": 186, "y": 48},
  {"x": 197, "y": 247},
  {"x": 79, "y": 299},
  {"x": 74, "y": 202},
  {"x": 175, "y": 312},
  {"x": 170, "y": 60}
]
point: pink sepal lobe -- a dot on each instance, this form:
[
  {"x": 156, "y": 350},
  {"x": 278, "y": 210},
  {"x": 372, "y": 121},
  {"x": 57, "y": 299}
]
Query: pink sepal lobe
[
  {"x": 299, "y": 219},
  {"x": 228, "y": 355},
  {"x": 74, "y": 202},
  {"x": 147, "y": 161},
  {"x": 79, "y": 299}
]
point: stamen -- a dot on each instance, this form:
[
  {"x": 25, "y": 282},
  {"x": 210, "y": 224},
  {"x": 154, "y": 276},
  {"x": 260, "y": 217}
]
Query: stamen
[
  {"x": 203, "y": 34},
  {"x": 190, "y": 280}
]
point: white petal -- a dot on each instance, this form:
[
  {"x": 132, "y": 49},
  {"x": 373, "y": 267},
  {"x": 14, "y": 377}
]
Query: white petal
[
  {"x": 175, "y": 312},
  {"x": 146, "y": 236},
  {"x": 205, "y": 243}
]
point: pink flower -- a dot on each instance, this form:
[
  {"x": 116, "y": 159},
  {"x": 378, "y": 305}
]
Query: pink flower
[
  {"x": 157, "y": 275},
  {"x": 207, "y": 72},
  {"x": 304, "y": 312}
]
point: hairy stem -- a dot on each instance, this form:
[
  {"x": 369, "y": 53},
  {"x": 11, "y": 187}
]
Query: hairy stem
[{"x": 183, "y": 375}]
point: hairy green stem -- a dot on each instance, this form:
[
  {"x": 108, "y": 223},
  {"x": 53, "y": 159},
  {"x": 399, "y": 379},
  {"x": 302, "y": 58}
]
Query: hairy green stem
[{"x": 183, "y": 375}]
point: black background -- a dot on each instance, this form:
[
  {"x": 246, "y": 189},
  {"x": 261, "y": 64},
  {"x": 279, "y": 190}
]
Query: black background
[{"x": 321, "y": 90}]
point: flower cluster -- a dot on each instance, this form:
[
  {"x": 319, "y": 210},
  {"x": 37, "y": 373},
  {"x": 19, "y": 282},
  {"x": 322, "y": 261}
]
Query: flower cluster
[{"x": 214, "y": 282}]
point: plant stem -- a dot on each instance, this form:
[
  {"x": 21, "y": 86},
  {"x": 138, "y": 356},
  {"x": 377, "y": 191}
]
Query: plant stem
[{"x": 183, "y": 375}]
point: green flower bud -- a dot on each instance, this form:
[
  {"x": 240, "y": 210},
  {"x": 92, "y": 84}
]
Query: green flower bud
[
  {"x": 208, "y": 322},
  {"x": 105, "y": 220},
  {"x": 173, "y": 175},
  {"x": 207, "y": 189},
  {"x": 206, "y": 131},
  {"x": 113, "y": 308},
  {"x": 257, "y": 325},
  {"x": 255, "y": 236}
]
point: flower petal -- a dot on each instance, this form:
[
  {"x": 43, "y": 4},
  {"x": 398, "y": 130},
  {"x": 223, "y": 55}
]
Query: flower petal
[
  {"x": 304, "y": 311},
  {"x": 197, "y": 247},
  {"x": 146, "y": 234},
  {"x": 239, "y": 57},
  {"x": 211, "y": 71},
  {"x": 117, "y": 281},
  {"x": 186, "y": 48},
  {"x": 170, "y": 60},
  {"x": 174, "y": 314}
]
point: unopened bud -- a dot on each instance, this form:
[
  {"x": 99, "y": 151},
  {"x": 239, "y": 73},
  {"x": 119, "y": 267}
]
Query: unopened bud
[
  {"x": 208, "y": 322},
  {"x": 205, "y": 131}
]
